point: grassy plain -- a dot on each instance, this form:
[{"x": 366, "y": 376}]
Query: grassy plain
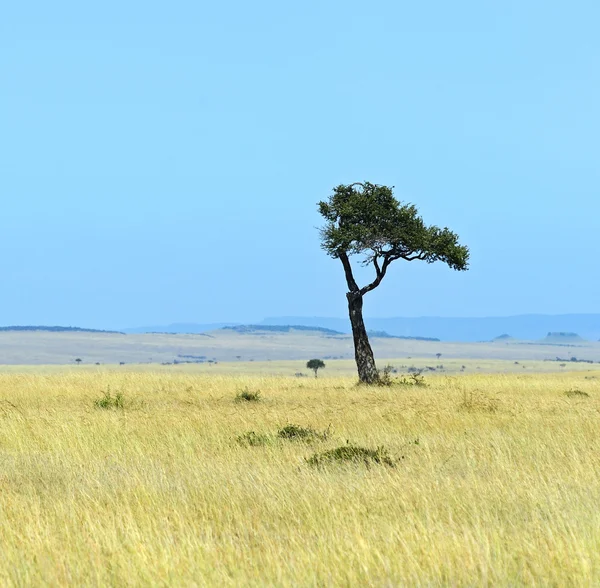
[
  {"x": 43, "y": 348},
  {"x": 496, "y": 480}
]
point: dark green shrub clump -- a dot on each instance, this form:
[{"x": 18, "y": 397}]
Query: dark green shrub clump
[
  {"x": 577, "y": 394},
  {"x": 298, "y": 433},
  {"x": 252, "y": 439},
  {"x": 352, "y": 454},
  {"x": 109, "y": 401},
  {"x": 246, "y": 395}
]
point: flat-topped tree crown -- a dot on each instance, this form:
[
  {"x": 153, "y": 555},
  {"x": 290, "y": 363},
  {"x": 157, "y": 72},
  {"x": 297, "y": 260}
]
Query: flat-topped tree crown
[{"x": 366, "y": 219}]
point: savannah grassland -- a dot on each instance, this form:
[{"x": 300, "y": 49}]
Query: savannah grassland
[{"x": 495, "y": 480}]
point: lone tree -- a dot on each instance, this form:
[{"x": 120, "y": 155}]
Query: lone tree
[
  {"x": 78, "y": 360},
  {"x": 315, "y": 365},
  {"x": 365, "y": 219}
]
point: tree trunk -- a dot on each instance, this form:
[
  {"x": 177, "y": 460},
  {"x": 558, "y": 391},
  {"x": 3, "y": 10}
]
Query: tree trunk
[{"x": 365, "y": 362}]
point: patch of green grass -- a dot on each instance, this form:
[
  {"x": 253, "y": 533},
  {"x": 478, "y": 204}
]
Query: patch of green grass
[
  {"x": 298, "y": 433},
  {"x": 352, "y": 454},
  {"x": 109, "y": 401},
  {"x": 247, "y": 395},
  {"x": 577, "y": 394},
  {"x": 412, "y": 379},
  {"x": 253, "y": 439}
]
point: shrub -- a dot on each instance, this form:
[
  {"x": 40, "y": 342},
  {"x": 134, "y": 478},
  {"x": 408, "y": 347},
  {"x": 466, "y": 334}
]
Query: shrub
[
  {"x": 384, "y": 376},
  {"x": 577, "y": 394},
  {"x": 352, "y": 454},
  {"x": 413, "y": 379},
  {"x": 252, "y": 439},
  {"x": 246, "y": 395},
  {"x": 298, "y": 433},
  {"x": 108, "y": 401}
]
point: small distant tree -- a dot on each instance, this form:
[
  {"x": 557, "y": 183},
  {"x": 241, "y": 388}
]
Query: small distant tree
[
  {"x": 365, "y": 219},
  {"x": 315, "y": 365},
  {"x": 438, "y": 355},
  {"x": 78, "y": 360}
]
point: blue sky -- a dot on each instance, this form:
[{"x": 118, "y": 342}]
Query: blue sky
[{"x": 161, "y": 162}]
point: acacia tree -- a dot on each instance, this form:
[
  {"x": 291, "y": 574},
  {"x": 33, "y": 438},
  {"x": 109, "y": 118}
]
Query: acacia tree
[
  {"x": 315, "y": 365},
  {"x": 365, "y": 219}
]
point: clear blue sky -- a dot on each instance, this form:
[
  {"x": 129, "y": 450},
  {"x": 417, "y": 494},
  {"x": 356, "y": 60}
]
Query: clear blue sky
[{"x": 161, "y": 161}]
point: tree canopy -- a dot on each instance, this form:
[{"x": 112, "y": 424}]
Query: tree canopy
[
  {"x": 315, "y": 365},
  {"x": 366, "y": 219}
]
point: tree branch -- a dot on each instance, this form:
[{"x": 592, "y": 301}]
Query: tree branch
[
  {"x": 376, "y": 264},
  {"x": 352, "y": 285},
  {"x": 380, "y": 274}
]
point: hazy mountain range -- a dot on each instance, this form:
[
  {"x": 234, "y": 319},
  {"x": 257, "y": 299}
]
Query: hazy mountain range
[{"x": 468, "y": 329}]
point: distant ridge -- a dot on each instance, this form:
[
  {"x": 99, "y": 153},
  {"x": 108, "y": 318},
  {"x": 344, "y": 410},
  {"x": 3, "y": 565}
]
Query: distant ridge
[
  {"x": 179, "y": 328},
  {"x": 504, "y": 338},
  {"x": 562, "y": 338},
  {"x": 528, "y": 327},
  {"x": 531, "y": 327},
  {"x": 386, "y": 335},
  {"x": 57, "y": 329},
  {"x": 279, "y": 329}
]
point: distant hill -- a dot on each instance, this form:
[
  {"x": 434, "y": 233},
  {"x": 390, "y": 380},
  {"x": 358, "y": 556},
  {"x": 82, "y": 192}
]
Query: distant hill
[
  {"x": 179, "y": 328},
  {"x": 503, "y": 338},
  {"x": 22, "y": 328},
  {"x": 531, "y": 327},
  {"x": 385, "y": 335},
  {"x": 279, "y": 329},
  {"x": 562, "y": 338}
]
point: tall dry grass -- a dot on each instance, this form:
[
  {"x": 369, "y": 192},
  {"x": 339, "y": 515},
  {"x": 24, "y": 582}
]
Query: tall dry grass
[{"x": 499, "y": 484}]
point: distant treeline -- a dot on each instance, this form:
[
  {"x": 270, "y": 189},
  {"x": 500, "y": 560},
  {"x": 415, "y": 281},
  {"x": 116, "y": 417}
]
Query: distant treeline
[
  {"x": 56, "y": 329},
  {"x": 279, "y": 329},
  {"x": 386, "y": 335}
]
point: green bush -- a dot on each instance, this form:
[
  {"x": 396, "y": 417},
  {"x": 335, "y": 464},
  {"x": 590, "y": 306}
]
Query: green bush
[
  {"x": 252, "y": 439},
  {"x": 577, "y": 394},
  {"x": 108, "y": 401},
  {"x": 246, "y": 395},
  {"x": 298, "y": 433},
  {"x": 352, "y": 454}
]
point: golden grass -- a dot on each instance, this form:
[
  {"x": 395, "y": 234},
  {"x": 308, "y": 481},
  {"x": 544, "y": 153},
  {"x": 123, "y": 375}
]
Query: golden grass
[{"x": 502, "y": 488}]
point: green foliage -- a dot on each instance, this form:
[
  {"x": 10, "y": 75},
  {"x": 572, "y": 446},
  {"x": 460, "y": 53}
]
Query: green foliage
[
  {"x": 366, "y": 219},
  {"x": 247, "y": 395},
  {"x": 385, "y": 376},
  {"x": 252, "y": 439},
  {"x": 413, "y": 379},
  {"x": 109, "y": 401},
  {"x": 352, "y": 454},
  {"x": 577, "y": 394},
  {"x": 298, "y": 433},
  {"x": 315, "y": 365}
]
